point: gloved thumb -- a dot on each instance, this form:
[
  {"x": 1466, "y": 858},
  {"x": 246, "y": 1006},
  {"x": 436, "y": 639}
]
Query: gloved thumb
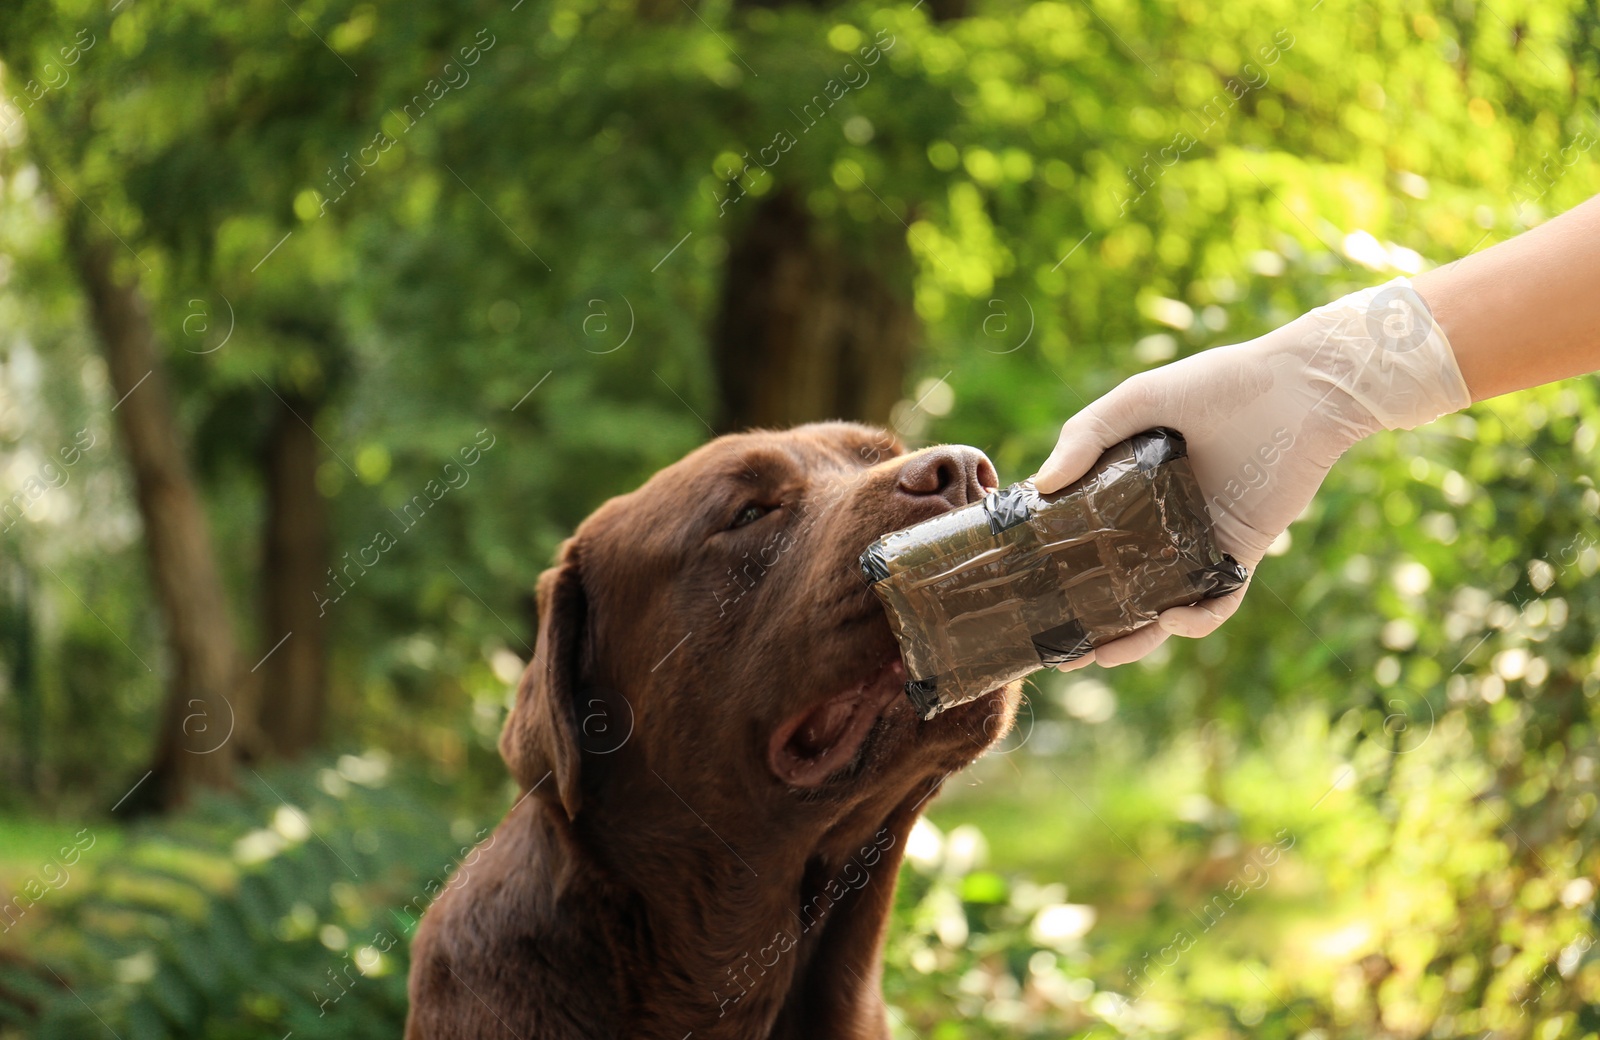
[{"x": 1118, "y": 415}]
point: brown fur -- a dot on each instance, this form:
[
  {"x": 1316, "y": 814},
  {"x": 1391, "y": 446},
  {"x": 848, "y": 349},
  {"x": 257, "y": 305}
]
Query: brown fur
[{"x": 658, "y": 878}]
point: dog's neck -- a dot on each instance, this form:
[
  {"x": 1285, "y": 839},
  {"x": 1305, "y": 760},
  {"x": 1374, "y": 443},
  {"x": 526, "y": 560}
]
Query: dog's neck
[{"x": 755, "y": 942}]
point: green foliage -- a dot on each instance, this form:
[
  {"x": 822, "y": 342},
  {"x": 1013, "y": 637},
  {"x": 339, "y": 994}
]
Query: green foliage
[
  {"x": 290, "y": 906},
  {"x": 1408, "y": 692}
]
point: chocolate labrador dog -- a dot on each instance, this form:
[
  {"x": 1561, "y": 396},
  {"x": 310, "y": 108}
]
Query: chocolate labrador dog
[{"x": 718, "y": 762}]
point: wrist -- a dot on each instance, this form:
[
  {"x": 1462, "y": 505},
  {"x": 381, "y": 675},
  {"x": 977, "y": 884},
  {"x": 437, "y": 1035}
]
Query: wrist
[{"x": 1382, "y": 349}]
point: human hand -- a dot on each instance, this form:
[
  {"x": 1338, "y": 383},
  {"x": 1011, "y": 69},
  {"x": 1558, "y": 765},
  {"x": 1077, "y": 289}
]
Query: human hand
[{"x": 1265, "y": 420}]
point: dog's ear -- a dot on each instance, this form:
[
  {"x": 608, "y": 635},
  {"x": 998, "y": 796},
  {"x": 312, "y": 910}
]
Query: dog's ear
[{"x": 540, "y": 741}]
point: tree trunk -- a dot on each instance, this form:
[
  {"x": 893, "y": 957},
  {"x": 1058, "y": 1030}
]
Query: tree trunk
[
  {"x": 17, "y": 639},
  {"x": 294, "y": 677},
  {"x": 205, "y": 722},
  {"x": 808, "y": 330}
]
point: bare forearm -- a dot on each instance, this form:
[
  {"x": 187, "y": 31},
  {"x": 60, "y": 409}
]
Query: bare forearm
[{"x": 1527, "y": 311}]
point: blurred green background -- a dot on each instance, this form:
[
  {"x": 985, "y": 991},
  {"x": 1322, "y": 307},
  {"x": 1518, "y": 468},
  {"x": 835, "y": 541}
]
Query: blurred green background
[{"x": 346, "y": 243}]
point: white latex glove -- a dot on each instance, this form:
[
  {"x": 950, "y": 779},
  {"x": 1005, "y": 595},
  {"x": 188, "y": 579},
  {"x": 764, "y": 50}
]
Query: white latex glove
[{"x": 1265, "y": 420}]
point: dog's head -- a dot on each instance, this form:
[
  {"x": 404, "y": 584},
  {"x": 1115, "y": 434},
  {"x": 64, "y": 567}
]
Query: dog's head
[{"x": 711, "y": 635}]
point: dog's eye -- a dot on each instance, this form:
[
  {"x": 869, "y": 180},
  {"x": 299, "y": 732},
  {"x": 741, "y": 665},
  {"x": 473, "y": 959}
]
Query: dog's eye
[{"x": 749, "y": 515}]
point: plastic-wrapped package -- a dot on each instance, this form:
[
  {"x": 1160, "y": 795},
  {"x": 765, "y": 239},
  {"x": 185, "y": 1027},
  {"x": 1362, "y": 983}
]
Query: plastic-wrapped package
[{"x": 990, "y": 592}]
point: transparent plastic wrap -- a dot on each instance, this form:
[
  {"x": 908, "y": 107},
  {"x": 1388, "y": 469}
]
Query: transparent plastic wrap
[{"x": 993, "y": 591}]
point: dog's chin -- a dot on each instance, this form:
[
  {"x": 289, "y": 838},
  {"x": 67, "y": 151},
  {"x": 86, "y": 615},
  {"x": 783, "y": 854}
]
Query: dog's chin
[{"x": 974, "y": 725}]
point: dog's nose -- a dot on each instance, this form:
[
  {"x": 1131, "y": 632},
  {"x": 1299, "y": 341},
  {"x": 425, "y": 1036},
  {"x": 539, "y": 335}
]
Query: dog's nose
[{"x": 954, "y": 472}]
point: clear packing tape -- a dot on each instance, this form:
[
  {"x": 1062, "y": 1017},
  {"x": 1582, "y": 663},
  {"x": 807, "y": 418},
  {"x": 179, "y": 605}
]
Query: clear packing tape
[{"x": 991, "y": 592}]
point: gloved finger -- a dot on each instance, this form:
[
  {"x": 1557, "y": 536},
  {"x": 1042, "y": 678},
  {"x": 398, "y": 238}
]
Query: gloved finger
[
  {"x": 1204, "y": 617},
  {"x": 1084, "y": 438},
  {"x": 1130, "y": 647},
  {"x": 1078, "y": 662}
]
